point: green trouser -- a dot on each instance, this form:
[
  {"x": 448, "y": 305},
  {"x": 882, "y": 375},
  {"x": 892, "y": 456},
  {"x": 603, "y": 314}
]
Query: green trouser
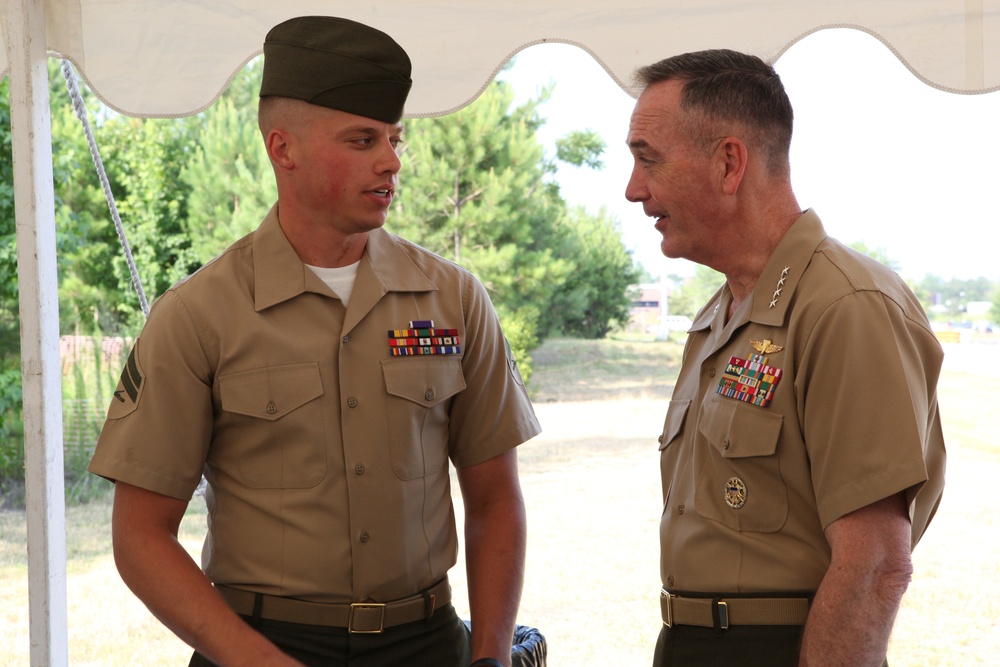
[
  {"x": 738, "y": 646},
  {"x": 440, "y": 641}
]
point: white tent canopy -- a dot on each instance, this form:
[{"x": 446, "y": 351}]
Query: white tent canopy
[{"x": 173, "y": 58}]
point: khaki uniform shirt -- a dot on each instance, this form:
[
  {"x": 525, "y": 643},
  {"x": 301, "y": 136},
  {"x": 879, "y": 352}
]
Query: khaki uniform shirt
[
  {"x": 750, "y": 478},
  {"x": 326, "y": 456}
]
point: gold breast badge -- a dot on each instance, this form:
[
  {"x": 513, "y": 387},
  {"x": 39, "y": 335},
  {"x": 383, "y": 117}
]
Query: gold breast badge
[
  {"x": 736, "y": 493},
  {"x": 765, "y": 346}
]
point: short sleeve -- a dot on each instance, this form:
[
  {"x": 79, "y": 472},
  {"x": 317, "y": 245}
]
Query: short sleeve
[
  {"x": 494, "y": 413},
  {"x": 871, "y": 422},
  {"x": 160, "y": 416}
]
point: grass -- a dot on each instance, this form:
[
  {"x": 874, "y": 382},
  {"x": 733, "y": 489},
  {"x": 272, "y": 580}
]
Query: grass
[
  {"x": 591, "y": 483},
  {"x": 580, "y": 370},
  {"x": 90, "y": 370}
]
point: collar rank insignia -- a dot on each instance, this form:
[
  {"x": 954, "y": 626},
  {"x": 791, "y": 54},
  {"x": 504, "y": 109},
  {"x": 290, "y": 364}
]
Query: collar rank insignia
[
  {"x": 752, "y": 380},
  {"x": 780, "y": 286},
  {"x": 423, "y": 338}
]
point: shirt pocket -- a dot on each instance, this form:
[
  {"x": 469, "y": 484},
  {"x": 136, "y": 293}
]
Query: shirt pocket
[
  {"x": 417, "y": 412},
  {"x": 737, "y": 464},
  {"x": 272, "y": 425},
  {"x": 673, "y": 423},
  {"x": 673, "y": 426}
]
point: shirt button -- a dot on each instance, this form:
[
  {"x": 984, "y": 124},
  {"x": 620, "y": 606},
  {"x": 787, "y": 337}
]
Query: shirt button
[
  {"x": 711, "y": 372},
  {"x": 359, "y": 469},
  {"x": 670, "y": 581},
  {"x": 352, "y": 402},
  {"x": 659, "y": 438},
  {"x": 345, "y": 338},
  {"x": 725, "y": 444},
  {"x": 364, "y": 537},
  {"x": 429, "y": 395},
  {"x": 271, "y": 408},
  {"x": 680, "y": 509}
]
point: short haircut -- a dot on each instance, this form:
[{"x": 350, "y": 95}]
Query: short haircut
[{"x": 723, "y": 87}]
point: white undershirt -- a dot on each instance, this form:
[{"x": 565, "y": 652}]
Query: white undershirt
[{"x": 339, "y": 279}]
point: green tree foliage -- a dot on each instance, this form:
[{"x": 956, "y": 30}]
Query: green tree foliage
[
  {"x": 142, "y": 159},
  {"x": 945, "y": 300},
  {"x": 476, "y": 188},
  {"x": 10, "y": 321},
  {"x": 581, "y": 148},
  {"x": 593, "y": 299},
  {"x": 694, "y": 292},
  {"x": 228, "y": 175},
  {"x": 994, "y": 298},
  {"x": 880, "y": 254}
]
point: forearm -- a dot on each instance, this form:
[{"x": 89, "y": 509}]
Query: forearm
[
  {"x": 170, "y": 584},
  {"x": 850, "y": 623},
  {"x": 161, "y": 573},
  {"x": 495, "y": 552},
  {"x": 855, "y": 606}
]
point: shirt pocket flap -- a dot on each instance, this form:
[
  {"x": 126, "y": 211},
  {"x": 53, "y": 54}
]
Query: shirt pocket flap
[
  {"x": 426, "y": 382},
  {"x": 739, "y": 431},
  {"x": 270, "y": 393},
  {"x": 674, "y": 422}
]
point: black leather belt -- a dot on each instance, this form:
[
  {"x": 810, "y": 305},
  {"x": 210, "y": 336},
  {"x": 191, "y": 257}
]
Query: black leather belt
[
  {"x": 357, "y": 617},
  {"x": 722, "y": 612}
]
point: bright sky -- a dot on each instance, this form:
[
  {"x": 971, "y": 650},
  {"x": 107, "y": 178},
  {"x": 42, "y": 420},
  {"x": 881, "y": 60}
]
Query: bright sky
[{"x": 882, "y": 157}]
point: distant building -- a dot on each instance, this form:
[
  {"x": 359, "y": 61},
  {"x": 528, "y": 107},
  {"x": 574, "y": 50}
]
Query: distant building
[
  {"x": 645, "y": 310},
  {"x": 650, "y": 312}
]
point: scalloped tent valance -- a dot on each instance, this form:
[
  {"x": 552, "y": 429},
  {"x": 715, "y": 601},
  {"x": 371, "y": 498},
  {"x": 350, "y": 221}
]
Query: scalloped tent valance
[{"x": 173, "y": 57}]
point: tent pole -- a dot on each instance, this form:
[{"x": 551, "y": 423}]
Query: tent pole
[{"x": 39, "y": 306}]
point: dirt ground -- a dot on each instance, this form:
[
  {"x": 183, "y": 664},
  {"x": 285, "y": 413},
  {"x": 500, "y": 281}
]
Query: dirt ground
[{"x": 591, "y": 484}]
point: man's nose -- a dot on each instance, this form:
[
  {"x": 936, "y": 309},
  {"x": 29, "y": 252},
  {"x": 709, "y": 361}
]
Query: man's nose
[
  {"x": 388, "y": 159},
  {"x": 635, "y": 189}
]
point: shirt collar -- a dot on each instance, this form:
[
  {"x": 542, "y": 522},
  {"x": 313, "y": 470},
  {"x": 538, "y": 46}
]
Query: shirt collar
[
  {"x": 776, "y": 285},
  {"x": 280, "y": 275},
  {"x": 773, "y": 292}
]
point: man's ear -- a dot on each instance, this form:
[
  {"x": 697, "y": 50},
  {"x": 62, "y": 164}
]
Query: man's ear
[
  {"x": 278, "y": 145},
  {"x": 731, "y": 155}
]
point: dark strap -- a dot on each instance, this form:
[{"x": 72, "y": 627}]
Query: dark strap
[{"x": 358, "y": 617}]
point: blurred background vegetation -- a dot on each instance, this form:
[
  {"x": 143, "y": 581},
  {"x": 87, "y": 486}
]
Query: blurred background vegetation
[{"x": 476, "y": 187}]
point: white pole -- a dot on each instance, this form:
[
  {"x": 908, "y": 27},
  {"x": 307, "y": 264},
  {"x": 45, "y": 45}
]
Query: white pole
[{"x": 39, "y": 302}]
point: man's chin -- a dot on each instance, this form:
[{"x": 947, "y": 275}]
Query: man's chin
[{"x": 670, "y": 250}]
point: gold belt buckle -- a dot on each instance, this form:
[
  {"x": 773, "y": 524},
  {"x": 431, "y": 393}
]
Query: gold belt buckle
[
  {"x": 364, "y": 607},
  {"x": 669, "y": 622}
]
